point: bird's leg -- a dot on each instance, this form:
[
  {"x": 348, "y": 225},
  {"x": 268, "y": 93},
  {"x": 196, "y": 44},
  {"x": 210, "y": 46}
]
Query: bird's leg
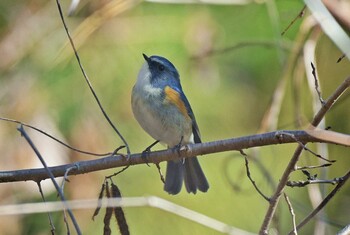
[
  {"x": 178, "y": 148},
  {"x": 145, "y": 152}
]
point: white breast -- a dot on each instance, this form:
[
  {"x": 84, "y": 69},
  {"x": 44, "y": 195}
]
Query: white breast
[{"x": 162, "y": 121}]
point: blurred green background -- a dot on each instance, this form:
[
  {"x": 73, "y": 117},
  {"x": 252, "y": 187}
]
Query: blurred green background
[{"x": 229, "y": 88}]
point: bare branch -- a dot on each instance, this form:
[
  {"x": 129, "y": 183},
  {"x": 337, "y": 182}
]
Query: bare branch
[
  {"x": 317, "y": 88},
  {"x": 160, "y": 173},
  {"x": 307, "y": 149},
  {"x": 324, "y": 202},
  {"x": 65, "y": 176},
  {"x": 341, "y": 58},
  {"x": 291, "y": 165},
  {"x": 240, "y": 45},
  {"x": 88, "y": 81},
  {"x": 329, "y": 25},
  {"x": 291, "y": 212},
  {"x": 315, "y": 181},
  {"x": 48, "y": 213},
  {"x": 52, "y": 137},
  {"x": 118, "y": 172},
  {"x": 313, "y": 167},
  {"x": 300, "y": 15},
  {"x": 250, "y": 178},
  {"x": 48, "y": 171},
  {"x": 191, "y": 150}
]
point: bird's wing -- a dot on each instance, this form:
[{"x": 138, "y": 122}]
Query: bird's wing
[{"x": 177, "y": 97}]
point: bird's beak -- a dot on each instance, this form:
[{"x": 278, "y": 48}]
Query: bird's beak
[{"x": 146, "y": 58}]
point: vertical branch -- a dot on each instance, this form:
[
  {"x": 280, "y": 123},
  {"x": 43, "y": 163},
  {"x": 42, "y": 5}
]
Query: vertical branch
[
  {"x": 292, "y": 213},
  {"x": 315, "y": 191},
  {"x": 48, "y": 213}
]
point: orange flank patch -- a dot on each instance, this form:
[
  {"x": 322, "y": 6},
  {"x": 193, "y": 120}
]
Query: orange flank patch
[{"x": 173, "y": 97}]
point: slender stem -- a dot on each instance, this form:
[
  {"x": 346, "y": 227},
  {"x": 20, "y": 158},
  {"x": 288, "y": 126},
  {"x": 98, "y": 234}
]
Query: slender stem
[
  {"x": 52, "y": 177},
  {"x": 52, "y": 137},
  {"x": 88, "y": 81},
  {"x": 324, "y": 202}
]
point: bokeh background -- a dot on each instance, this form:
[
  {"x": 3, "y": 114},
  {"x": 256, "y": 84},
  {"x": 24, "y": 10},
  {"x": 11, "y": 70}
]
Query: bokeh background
[{"x": 230, "y": 58}]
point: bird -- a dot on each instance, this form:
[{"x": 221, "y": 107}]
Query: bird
[{"x": 163, "y": 111}]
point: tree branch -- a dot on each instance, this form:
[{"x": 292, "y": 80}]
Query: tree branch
[
  {"x": 191, "y": 150},
  {"x": 50, "y": 175},
  {"x": 316, "y": 181},
  {"x": 292, "y": 164},
  {"x": 324, "y": 202}
]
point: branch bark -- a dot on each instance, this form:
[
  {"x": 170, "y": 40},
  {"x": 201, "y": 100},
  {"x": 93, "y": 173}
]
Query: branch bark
[
  {"x": 292, "y": 164},
  {"x": 82, "y": 167}
]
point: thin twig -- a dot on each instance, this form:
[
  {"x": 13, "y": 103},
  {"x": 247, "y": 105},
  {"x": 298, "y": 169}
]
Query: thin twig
[
  {"x": 317, "y": 87},
  {"x": 65, "y": 176},
  {"x": 117, "y": 173},
  {"x": 308, "y": 175},
  {"x": 306, "y": 148},
  {"x": 330, "y": 102},
  {"x": 341, "y": 58},
  {"x": 300, "y": 15},
  {"x": 48, "y": 171},
  {"x": 239, "y": 45},
  {"x": 250, "y": 178},
  {"x": 48, "y": 213},
  {"x": 313, "y": 167},
  {"x": 88, "y": 81},
  {"x": 291, "y": 212},
  {"x": 160, "y": 172},
  {"x": 270, "y": 117},
  {"x": 325, "y": 201},
  {"x": 65, "y": 179},
  {"x": 66, "y": 221},
  {"x": 314, "y": 181},
  {"x": 52, "y": 137}
]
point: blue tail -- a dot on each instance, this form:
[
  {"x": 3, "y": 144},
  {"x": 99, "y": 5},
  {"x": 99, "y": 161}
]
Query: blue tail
[{"x": 189, "y": 171}]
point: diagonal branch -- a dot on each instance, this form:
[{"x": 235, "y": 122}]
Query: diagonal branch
[
  {"x": 46, "y": 168},
  {"x": 292, "y": 164},
  {"x": 88, "y": 81}
]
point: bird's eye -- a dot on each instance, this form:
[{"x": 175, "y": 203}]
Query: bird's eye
[{"x": 161, "y": 67}]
